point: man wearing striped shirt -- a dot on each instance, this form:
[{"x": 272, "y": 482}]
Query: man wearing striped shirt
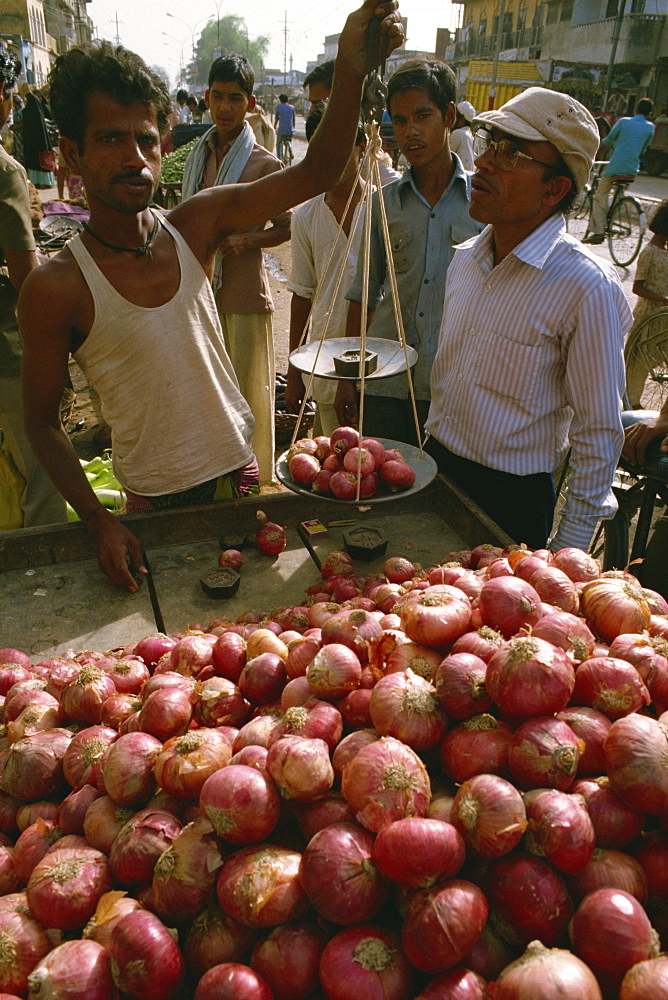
[{"x": 530, "y": 360}]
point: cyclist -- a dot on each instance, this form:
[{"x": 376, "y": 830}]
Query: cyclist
[
  {"x": 629, "y": 138},
  {"x": 651, "y": 287},
  {"x": 284, "y": 123}
]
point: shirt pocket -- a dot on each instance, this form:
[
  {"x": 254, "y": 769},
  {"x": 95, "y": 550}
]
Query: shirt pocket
[
  {"x": 403, "y": 250},
  {"x": 507, "y": 368}
]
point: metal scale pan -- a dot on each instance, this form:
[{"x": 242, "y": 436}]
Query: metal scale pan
[{"x": 391, "y": 359}]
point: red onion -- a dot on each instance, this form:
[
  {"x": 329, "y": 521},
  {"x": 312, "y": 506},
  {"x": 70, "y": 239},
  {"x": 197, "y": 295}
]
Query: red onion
[
  {"x": 339, "y": 877},
  {"x": 646, "y": 979},
  {"x": 559, "y": 829},
  {"x": 84, "y": 754},
  {"x": 508, "y": 604},
  {"x": 256, "y": 731},
  {"x": 74, "y": 970},
  {"x": 355, "y": 629},
  {"x": 128, "y": 673},
  {"x": 610, "y": 931},
  {"x": 263, "y": 678},
  {"x": 145, "y": 960},
  {"x": 183, "y": 876},
  {"x": 241, "y": 803},
  {"x": 110, "y": 909},
  {"x": 437, "y": 619},
  {"x": 83, "y": 697},
  {"x": 404, "y": 705},
  {"x": 568, "y": 632},
  {"x": 288, "y": 959},
  {"x": 128, "y": 768},
  {"x": 32, "y": 845},
  {"x": 34, "y": 766},
  {"x": 385, "y": 781},
  {"x": 60, "y": 673},
  {"x": 547, "y": 974},
  {"x": 615, "y": 823},
  {"x": 612, "y": 607},
  {"x": 398, "y": 570},
  {"x": 73, "y": 809},
  {"x": 334, "y": 671},
  {"x": 612, "y": 686},
  {"x": 460, "y": 685},
  {"x": 66, "y": 885},
  {"x": 300, "y": 653},
  {"x": 300, "y": 768},
  {"x": 140, "y": 843},
  {"x": 489, "y": 955},
  {"x": 214, "y": 938},
  {"x": 482, "y": 642},
  {"x": 652, "y": 853},
  {"x": 609, "y": 870},
  {"x": 529, "y": 677},
  {"x": 418, "y": 851},
  {"x": 9, "y": 656},
  {"x": 577, "y": 565},
  {"x": 528, "y": 900},
  {"x": 442, "y": 924},
  {"x": 12, "y": 673},
  {"x": 166, "y": 713},
  {"x": 365, "y": 961},
  {"x": 190, "y": 655},
  {"x": 355, "y": 708},
  {"x": 592, "y": 728},
  {"x": 421, "y": 660},
  {"x": 221, "y": 703},
  {"x": 650, "y": 658},
  {"x": 118, "y": 708},
  {"x": 231, "y": 981},
  {"x": 544, "y": 753},
  {"x": 102, "y": 822},
  {"x": 351, "y": 745},
  {"x": 554, "y": 587},
  {"x": 337, "y": 564},
  {"x": 13, "y": 707},
  {"x": 9, "y": 881},
  {"x": 24, "y": 944},
  {"x": 456, "y": 984},
  {"x": 636, "y": 751},
  {"x": 228, "y": 655},
  {"x": 251, "y": 757},
  {"x": 259, "y": 886},
  {"x": 185, "y": 762},
  {"x": 153, "y": 647},
  {"x": 314, "y": 720},
  {"x": 490, "y": 814},
  {"x": 478, "y": 746}
]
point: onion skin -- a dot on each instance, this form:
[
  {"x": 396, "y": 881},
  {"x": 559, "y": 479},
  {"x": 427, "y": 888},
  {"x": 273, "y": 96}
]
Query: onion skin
[
  {"x": 613, "y": 607},
  {"x": 544, "y": 753},
  {"x": 418, "y": 851},
  {"x": 478, "y": 746},
  {"x": 128, "y": 768},
  {"x": 24, "y": 944},
  {"x": 183, "y": 875},
  {"x": 508, "y": 604},
  {"x": 232, "y": 981},
  {"x": 442, "y": 924},
  {"x": 612, "y": 686},
  {"x": 241, "y": 803},
  {"x": 546, "y": 974},
  {"x": 145, "y": 960},
  {"x": 646, "y": 979},
  {"x": 592, "y": 728},
  {"x": 186, "y": 762},
  {"x": 84, "y": 755},
  {"x": 609, "y": 869},
  {"x": 437, "y": 619},
  {"x": 404, "y": 705},
  {"x": 456, "y": 984},
  {"x": 636, "y": 751},
  {"x": 300, "y": 768},
  {"x": 615, "y": 824},
  {"x": 529, "y": 900},
  {"x": 610, "y": 931},
  {"x": 365, "y": 961},
  {"x": 460, "y": 685},
  {"x": 259, "y": 886},
  {"x": 33, "y": 769},
  {"x": 339, "y": 876},
  {"x": 140, "y": 843},
  {"x": 489, "y": 813},
  {"x": 385, "y": 781},
  {"x": 66, "y": 886},
  {"x": 75, "y": 970}
]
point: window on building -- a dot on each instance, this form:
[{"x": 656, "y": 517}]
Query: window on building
[
  {"x": 537, "y": 16},
  {"x": 566, "y": 13},
  {"x": 552, "y": 13},
  {"x": 521, "y": 19},
  {"x": 611, "y": 8},
  {"x": 637, "y": 6},
  {"x": 508, "y": 21},
  {"x": 482, "y": 28}
]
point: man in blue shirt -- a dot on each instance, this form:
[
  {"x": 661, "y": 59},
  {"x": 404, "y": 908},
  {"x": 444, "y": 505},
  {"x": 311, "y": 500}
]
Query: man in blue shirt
[
  {"x": 428, "y": 214},
  {"x": 284, "y": 118},
  {"x": 629, "y": 138}
]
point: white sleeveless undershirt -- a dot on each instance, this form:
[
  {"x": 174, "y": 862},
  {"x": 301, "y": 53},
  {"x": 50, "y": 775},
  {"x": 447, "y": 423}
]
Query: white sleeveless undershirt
[{"x": 167, "y": 387}]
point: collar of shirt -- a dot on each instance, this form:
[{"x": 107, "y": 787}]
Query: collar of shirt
[
  {"x": 459, "y": 175},
  {"x": 533, "y": 250}
]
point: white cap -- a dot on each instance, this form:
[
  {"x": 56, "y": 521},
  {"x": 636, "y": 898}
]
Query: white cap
[
  {"x": 543, "y": 115},
  {"x": 467, "y": 110}
]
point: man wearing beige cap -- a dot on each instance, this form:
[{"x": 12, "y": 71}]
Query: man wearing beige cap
[
  {"x": 461, "y": 137},
  {"x": 529, "y": 361}
]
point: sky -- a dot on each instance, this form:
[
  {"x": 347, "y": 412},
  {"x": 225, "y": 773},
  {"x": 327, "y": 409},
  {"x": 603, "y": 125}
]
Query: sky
[{"x": 143, "y": 25}]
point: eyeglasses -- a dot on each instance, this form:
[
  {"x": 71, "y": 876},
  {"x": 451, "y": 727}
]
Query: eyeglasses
[{"x": 506, "y": 152}]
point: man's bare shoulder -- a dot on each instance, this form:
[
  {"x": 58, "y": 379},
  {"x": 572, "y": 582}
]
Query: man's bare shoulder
[{"x": 59, "y": 275}]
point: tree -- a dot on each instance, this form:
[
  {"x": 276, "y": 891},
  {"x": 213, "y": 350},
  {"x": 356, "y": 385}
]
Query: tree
[
  {"x": 161, "y": 72},
  {"x": 223, "y": 37}
]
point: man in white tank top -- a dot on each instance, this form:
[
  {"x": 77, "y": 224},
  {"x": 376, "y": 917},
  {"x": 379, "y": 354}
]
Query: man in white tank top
[{"x": 132, "y": 299}]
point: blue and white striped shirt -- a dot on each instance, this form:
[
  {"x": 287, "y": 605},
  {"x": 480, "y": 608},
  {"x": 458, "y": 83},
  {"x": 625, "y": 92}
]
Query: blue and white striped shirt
[{"x": 530, "y": 361}]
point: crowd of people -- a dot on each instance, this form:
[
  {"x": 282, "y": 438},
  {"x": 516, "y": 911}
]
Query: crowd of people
[{"x": 518, "y": 327}]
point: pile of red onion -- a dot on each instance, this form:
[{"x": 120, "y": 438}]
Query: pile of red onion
[{"x": 440, "y": 784}]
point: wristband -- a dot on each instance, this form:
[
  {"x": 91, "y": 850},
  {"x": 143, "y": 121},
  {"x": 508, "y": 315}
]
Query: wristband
[{"x": 95, "y": 510}]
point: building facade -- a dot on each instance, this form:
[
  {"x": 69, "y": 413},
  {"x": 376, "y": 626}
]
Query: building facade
[{"x": 38, "y": 30}]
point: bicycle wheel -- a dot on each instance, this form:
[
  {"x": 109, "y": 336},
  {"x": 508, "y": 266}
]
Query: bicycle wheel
[
  {"x": 624, "y": 231},
  {"x": 646, "y": 362},
  {"x": 577, "y": 220}
]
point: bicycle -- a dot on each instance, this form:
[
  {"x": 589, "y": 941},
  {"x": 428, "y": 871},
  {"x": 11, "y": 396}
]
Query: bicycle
[
  {"x": 625, "y": 222},
  {"x": 646, "y": 362},
  {"x": 284, "y": 149}
]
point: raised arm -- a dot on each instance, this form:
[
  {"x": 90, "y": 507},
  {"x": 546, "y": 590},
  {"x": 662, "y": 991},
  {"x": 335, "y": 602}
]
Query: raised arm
[
  {"x": 46, "y": 337},
  {"x": 208, "y": 217}
]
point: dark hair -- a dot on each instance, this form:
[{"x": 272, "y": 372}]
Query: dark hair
[
  {"x": 233, "y": 69},
  {"x": 111, "y": 69},
  {"x": 181, "y": 95},
  {"x": 283, "y": 98},
  {"x": 644, "y": 106},
  {"x": 191, "y": 101},
  {"x": 10, "y": 68},
  {"x": 659, "y": 223},
  {"x": 433, "y": 76},
  {"x": 201, "y": 105},
  {"x": 315, "y": 117},
  {"x": 322, "y": 73}
]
